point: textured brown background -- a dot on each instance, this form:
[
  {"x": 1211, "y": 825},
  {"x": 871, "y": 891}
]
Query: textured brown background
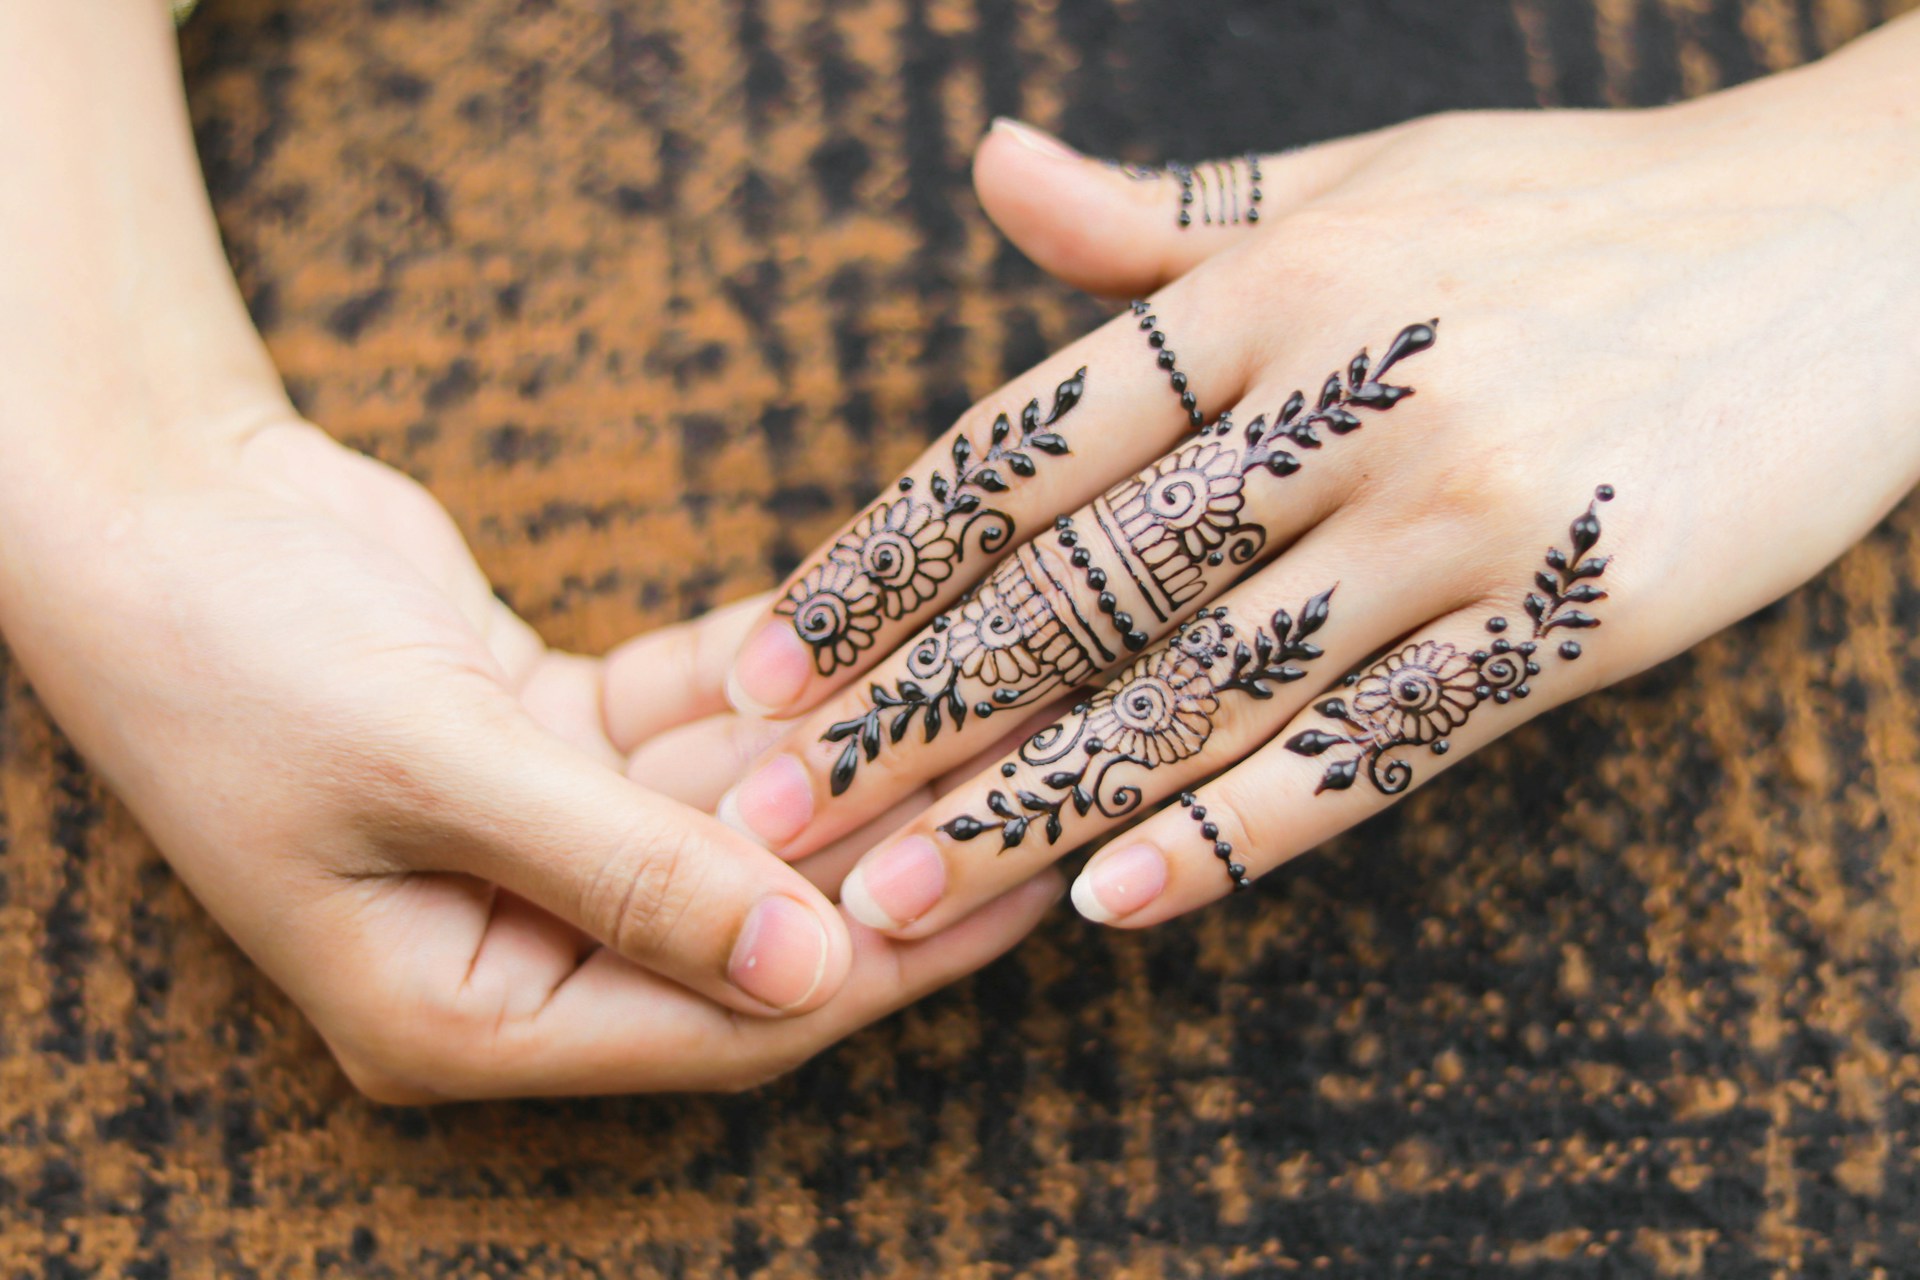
[{"x": 651, "y": 294}]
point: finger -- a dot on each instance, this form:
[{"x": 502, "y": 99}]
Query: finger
[
  {"x": 695, "y": 764},
  {"x": 564, "y": 693},
  {"x": 1048, "y": 442},
  {"x": 1122, "y": 230},
  {"x": 660, "y": 884},
  {"x": 827, "y": 868},
  {"x": 614, "y": 1028},
  {"x": 1219, "y": 687},
  {"x": 675, "y": 674},
  {"x": 1079, "y": 600},
  {"x": 1420, "y": 707}
]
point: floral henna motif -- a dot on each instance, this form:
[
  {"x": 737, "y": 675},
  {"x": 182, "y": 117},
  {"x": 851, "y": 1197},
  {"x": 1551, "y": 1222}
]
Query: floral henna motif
[
  {"x": 1160, "y": 711},
  {"x": 1009, "y": 643},
  {"x": 1419, "y": 694},
  {"x": 895, "y": 557},
  {"x": 1026, "y": 633},
  {"x": 1171, "y": 522}
]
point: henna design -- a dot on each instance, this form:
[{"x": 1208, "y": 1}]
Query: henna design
[
  {"x": 1157, "y": 339},
  {"x": 1212, "y": 186},
  {"x": 1210, "y": 832},
  {"x": 1159, "y": 711},
  {"x": 1419, "y": 694},
  {"x": 1025, "y": 633},
  {"x": 1018, "y": 636},
  {"x": 1170, "y": 522},
  {"x": 895, "y": 557}
]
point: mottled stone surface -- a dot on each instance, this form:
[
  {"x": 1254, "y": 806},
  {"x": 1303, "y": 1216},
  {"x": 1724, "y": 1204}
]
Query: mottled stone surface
[{"x": 652, "y": 293}]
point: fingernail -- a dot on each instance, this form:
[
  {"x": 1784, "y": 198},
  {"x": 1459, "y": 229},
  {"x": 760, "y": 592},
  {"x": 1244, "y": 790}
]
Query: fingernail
[
  {"x": 896, "y": 886},
  {"x": 1119, "y": 883},
  {"x": 781, "y": 954},
  {"x": 771, "y": 805},
  {"x": 771, "y": 672},
  {"x": 1035, "y": 139}
]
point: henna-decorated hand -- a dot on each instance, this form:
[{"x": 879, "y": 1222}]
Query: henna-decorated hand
[
  {"x": 1676, "y": 375},
  {"x": 406, "y": 808}
]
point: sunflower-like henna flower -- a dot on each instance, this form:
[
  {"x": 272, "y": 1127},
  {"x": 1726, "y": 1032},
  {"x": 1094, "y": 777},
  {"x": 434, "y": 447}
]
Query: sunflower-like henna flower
[
  {"x": 904, "y": 549},
  {"x": 1159, "y": 711},
  {"x": 988, "y": 640},
  {"x": 1420, "y": 694},
  {"x": 1009, "y": 631},
  {"x": 836, "y": 610},
  {"x": 1192, "y": 498}
]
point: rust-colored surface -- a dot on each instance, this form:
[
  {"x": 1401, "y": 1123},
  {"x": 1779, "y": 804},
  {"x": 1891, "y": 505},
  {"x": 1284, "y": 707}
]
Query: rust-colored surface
[{"x": 652, "y": 293}]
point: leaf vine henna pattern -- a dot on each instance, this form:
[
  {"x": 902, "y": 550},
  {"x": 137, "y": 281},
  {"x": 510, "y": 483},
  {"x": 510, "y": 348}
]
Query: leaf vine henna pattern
[
  {"x": 1015, "y": 639},
  {"x": 1159, "y": 711},
  {"x": 1181, "y": 516},
  {"x": 1419, "y": 694},
  {"x": 895, "y": 557},
  {"x": 1025, "y": 632}
]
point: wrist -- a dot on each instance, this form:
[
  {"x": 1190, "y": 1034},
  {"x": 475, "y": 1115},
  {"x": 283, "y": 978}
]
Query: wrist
[{"x": 118, "y": 311}]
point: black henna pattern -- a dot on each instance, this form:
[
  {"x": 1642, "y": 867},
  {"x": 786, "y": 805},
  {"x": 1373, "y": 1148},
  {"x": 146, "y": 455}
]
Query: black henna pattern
[
  {"x": 1014, "y": 640},
  {"x": 1424, "y": 691},
  {"x": 1160, "y": 711},
  {"x": 895, "y": 557},
  {"x": 1171, "y": 522},
  {"x": 1224, "y": 192},
  {"x": 1027, "y": 632},
  {"x": 1157, "y": 339},
  {"x": 1221, "y": 849}
]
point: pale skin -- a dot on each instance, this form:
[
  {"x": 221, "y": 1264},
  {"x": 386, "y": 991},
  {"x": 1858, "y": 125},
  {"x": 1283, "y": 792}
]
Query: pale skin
[
  {"x": 482, "y": 867},
  {"x": 1713, "y": 308},
  {"x": 457, "y": 850}
]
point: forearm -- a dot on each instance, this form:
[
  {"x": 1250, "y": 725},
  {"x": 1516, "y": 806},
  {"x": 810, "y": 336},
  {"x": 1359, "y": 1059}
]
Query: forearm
[
  {"x": 126, "y": 353},
  {"x": 118, "y": 313}
]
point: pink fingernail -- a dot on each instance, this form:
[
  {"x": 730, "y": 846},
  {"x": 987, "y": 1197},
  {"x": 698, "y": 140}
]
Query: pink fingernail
[
  {"x": 1038, "y": 140},
  {"x": 1119, "y": 883},
  {"x": 772, "y": 805},
  {"x": 781, "y": 954},
  {"x": 896, "y": 886},
  {"x": 771, "y": 672}
]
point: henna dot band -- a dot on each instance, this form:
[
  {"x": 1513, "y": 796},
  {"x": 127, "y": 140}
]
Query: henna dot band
[{"x": 1157, "y": 339}]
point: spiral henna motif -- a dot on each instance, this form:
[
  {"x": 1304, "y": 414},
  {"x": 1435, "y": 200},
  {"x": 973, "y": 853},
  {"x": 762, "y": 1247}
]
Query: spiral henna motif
[
  {"x": 1160, "y": 711},
  {"x": 895, "y": 558},
  {"x": 1419, "y": 694},
  {"x": 1422, "y": 692},
  {"x": 1029, "y": 629},
  {"x": 903, "y": 550},
  {"x": 835, "y": 609},
  {"x": 1010, "y": 642}
]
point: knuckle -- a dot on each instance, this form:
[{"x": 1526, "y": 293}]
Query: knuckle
[
  {"x": 1237, "y": 808},
  {"x": 642, "y": 893},
  {"x": 402, "y": 1058}
]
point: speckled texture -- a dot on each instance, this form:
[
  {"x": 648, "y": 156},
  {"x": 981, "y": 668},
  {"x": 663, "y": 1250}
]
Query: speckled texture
[{"x": 652, "y": 293}]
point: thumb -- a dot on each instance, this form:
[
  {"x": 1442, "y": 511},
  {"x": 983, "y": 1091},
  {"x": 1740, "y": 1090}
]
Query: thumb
[
  {"x": 1125, "y": 231},
  {"x": 667, "y": 887}
]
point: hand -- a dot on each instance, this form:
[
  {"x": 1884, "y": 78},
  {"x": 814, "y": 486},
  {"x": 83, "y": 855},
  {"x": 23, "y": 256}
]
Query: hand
[
  {"x": 1672, "y": 375},
  {"x": 410, "y": 812}
]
